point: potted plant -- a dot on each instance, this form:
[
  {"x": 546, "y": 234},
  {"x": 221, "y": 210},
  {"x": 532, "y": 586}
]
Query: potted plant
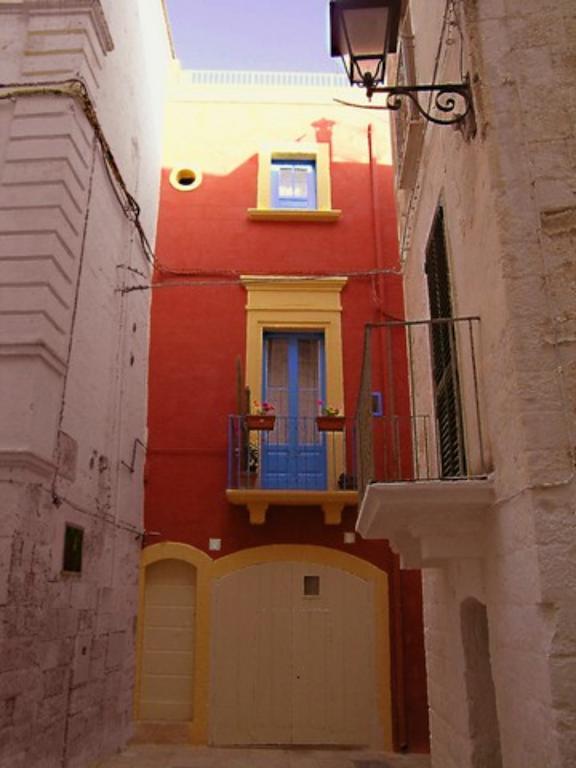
[
  {"x": 262, "y": 418},
  {"x": 329, "y": 419}
]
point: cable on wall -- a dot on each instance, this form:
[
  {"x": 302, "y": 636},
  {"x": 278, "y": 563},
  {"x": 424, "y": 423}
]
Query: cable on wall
[{"x": 55, "y": 497}]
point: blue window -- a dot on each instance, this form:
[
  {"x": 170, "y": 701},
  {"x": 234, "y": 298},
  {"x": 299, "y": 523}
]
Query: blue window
[{"x": 293, "y": 184}]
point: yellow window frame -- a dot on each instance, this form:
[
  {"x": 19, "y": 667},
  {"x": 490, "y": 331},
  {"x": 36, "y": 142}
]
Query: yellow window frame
[
  {"x": 320, "y": 155},
  {"x": 279, "y": 303}
]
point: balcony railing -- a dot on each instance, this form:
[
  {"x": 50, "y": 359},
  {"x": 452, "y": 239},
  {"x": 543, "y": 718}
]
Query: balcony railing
[
  {"x": 430, "y": 426},
  {"x": 294, "y": 455}
]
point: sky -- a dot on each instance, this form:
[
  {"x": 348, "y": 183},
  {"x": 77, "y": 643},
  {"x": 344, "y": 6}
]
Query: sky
[{"x": 274, "y": 35}]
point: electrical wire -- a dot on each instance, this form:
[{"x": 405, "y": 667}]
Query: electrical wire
[
  {"x": 236, "y": 280},
  {"x": 81, "y": 261}
]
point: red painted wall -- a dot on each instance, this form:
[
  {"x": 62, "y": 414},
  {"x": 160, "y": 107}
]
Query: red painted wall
[
  {"x": 198, "y": 331},
  {"x": 205, "y": 241}
]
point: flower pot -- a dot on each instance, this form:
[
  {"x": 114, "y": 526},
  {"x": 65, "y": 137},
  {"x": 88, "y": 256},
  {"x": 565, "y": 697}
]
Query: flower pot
[
  {"x": 257, "y": 422},
  {"x": 330, "y": 423}
]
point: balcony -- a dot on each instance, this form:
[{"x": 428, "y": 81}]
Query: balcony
[
  {"x": 292, "y": 464},
  {"x": 424, "y": 464}
]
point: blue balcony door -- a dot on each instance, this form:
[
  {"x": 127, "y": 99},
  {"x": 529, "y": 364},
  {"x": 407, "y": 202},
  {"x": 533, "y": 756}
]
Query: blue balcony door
[{"x": 294, "y": 453}]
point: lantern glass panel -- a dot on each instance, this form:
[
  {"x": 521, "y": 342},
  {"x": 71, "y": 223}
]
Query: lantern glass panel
[
  {"x": 362, "y": 40},
  {"x": 372, "y": 66},
  {"x": 367, "y": 31}
]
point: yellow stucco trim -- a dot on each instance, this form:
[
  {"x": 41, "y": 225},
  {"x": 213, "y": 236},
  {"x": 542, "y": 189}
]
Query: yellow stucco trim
[
  {"x": 284, "y": 214},
  {"x": 319, "y": 153},
  {"x": 285, "y": 303},
  {"x": 354, "y": 565},
  {"x": 198, "y": 728}
]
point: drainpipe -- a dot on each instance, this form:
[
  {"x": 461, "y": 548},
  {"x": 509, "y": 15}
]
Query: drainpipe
[
  {"x": 396, "y": 577},
  {"x": 379, "y": 285}
]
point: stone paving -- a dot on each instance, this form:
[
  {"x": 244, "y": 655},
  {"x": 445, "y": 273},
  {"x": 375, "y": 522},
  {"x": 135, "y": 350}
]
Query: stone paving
[{"x": 172, "y": 756}]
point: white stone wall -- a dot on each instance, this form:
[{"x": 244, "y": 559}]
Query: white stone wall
[
  {"x": 73, "y": 367},
  {"x": 509, "y": 196}
]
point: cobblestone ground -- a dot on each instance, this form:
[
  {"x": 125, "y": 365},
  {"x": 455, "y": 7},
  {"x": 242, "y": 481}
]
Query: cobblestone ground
[{"x": 169, "y": 756}]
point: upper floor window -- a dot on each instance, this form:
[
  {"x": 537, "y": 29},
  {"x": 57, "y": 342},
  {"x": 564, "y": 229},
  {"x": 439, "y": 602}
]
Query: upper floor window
[{"x": 293, "y": 183}]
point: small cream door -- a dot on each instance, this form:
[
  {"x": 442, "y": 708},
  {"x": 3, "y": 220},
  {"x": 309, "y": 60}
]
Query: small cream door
[
  {"x": 293, "y": 659},
  {"x": 168, "y": 646}
]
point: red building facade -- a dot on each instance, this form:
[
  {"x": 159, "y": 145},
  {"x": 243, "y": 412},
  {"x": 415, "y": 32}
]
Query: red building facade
[{"x": 265, "y": 618}]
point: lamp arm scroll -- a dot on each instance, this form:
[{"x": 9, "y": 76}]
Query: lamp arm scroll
[{"x": 447, "y": 98}]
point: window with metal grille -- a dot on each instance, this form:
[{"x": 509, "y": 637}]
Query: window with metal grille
[{"x": 444, "y": 354}]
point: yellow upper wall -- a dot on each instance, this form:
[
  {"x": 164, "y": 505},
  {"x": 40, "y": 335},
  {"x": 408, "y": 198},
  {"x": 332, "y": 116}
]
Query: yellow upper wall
[{"x": 199, "y": 119}]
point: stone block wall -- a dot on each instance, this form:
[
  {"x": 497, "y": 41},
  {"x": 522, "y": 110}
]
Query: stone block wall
[
  {"x": 73, "y": 365},
  {"x": 509, "y": 198}
]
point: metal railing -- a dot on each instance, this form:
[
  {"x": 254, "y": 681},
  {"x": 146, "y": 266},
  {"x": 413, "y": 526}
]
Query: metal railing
[
  {"x": 294, "y": 455},
  {"x": 431, "y": 423}
]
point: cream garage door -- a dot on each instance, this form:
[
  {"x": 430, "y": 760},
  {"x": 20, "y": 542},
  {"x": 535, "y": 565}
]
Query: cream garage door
[
  {"x": 293, "y": 657},
  {"x": 168, "y": 645}
]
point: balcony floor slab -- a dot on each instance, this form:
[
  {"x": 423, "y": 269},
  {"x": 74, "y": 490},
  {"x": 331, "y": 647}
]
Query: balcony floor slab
[
  {"x": 428, "y": 523},
  {"x": 258, "y": 500}
]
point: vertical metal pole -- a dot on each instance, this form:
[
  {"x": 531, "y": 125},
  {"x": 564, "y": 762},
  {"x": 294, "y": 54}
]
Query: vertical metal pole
[
  {"x": 412, "y": 415},
  {"x": 458, "y": 395},
  {"x": 397, "y": 444},
  {"x": 477, "y": 397},
  {"x": 230, "y": 451},
  {"x": 365, "y": 442},
  {"x": 435, "y": 423},
  {"x": 390, "y": 387},
  {"x": 425, "y": 418}
]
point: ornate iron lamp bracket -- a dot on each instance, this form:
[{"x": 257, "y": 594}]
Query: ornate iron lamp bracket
[{"x": 451, "y": 102}]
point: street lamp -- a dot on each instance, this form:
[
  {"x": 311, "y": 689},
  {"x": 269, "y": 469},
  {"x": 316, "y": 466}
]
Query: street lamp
[{"x": 363, "y": 33}]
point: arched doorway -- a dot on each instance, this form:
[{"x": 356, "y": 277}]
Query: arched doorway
[
  {"x": 482, "y": 713},
  {"x": 167, "y": 657}
]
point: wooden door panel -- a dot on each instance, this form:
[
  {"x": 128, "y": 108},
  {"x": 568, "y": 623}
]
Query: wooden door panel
[
  {"x": 290, "y": 667},
  {"x": 334, "y": 695},
  {"x": 250, "y": 667},
  {"x": 168, "y": 646},
  {"x": 271, "y": 721}
]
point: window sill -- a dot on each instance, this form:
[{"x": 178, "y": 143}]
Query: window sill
[{"x": 288, "y": 214}]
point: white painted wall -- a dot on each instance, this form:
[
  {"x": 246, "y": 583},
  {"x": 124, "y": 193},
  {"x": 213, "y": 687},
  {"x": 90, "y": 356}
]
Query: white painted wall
[
  {"x": 73, "y": 362},
  {"x": 510, "y": 204}
]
